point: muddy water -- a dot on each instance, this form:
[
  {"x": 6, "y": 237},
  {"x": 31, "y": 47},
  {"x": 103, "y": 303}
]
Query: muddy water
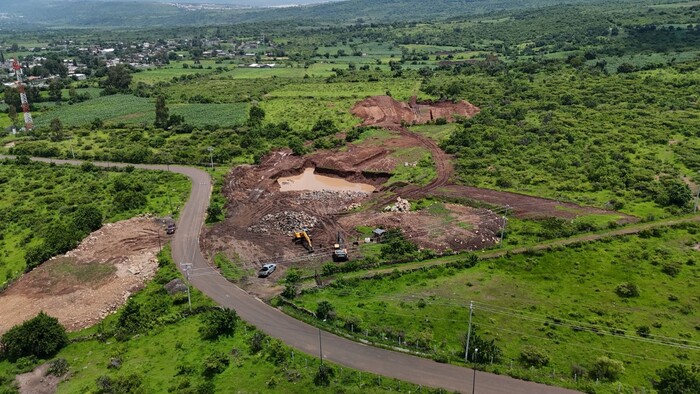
[{"x": 312, "y": 181}]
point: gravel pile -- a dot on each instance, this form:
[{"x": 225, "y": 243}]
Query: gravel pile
[
  {"x": 401, "y": 205},
  {"x": 284, "y": 222},
  {"x": 328, "y": 195}
]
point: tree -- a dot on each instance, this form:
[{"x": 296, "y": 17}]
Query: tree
[
  {"x": 87, "y": 218},
  {"x": 325, "y": 310},
  {"x": 118, "y": 79},
  {"x": 56, "y": 128},
  {"x": 256, "y": 115},
  {"x": 42, "y": 336},
  {"x": 678, "y": 379},
  {"x": 12, "y": 114},
  {"x": 218, "y": 322},
  {"x": 324, "y": 375},
  {"x": 55, "y": 93},
  {"x": 161, "y": 113}
]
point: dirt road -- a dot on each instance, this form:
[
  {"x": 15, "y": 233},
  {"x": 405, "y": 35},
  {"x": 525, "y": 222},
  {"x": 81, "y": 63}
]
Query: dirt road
[{"x": 302, "y": 336}]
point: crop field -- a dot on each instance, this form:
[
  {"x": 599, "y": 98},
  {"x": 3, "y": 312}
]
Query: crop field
[
  {"x": 569, "y": 303},
  {"x": 111, "y": 109},
  {"x": 39, "y": 199}
]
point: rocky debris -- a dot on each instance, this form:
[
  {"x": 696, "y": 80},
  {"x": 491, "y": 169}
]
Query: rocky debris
[
  {"x": 352, "y": 206},
  {"x": 284, "y": 222},
  {"x": 175, "y": 286},
  {"x": 330, "y": 195},
  {"x": 401, "y": 205}
]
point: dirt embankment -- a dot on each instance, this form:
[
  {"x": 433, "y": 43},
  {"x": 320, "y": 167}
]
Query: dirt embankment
[
  {"x": 384, "y": 111},
  {"x": 90, "y": 282}
]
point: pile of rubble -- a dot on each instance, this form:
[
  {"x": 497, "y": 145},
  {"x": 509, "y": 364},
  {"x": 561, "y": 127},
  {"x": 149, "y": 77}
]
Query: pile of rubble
[
  {"x": 284, "y": 222},
  {"x": 401, "y": 205},
  {"x": 329, "y": 195}
]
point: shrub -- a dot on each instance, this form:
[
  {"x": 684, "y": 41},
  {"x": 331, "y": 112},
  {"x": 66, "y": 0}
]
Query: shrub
[
  {"x": 41, "y": 337},
  {"x": 214, "y": 364},
  {"x": 643, "y": 331},
  {"x": 325, "y": 310},
  {"x": 627, "y": 290},
  {"x": 256, "y": 342},
  {"x": 606, "y": 368},
  {"x": 671, "y": 269},
  {"x": 534, "y": 357},
  {"x": 323, "y": 375},
  {"x": 218, "y": 322},
  {"x": 127, "y": 384},
  {"x": 677, "y": 379},
  {"x": 58, "y": 367}
]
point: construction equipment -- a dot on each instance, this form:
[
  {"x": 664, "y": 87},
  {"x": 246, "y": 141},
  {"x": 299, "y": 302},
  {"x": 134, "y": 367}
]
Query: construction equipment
[
  {"x": 340, "y": 252},
  {"x": 302, "y": 237}
]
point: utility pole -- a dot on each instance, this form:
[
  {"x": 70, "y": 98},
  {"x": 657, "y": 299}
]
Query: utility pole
[
  {"x": 211, "y": 156},
  {"x": 476, "y": 350},
  {"x": 187, "y": 267},
  {"x": 697, "y": 196},
  {"x": 469, "y": 332},
  {"x": 320, "y": 345},
  {"x": 503, "y": 229}
]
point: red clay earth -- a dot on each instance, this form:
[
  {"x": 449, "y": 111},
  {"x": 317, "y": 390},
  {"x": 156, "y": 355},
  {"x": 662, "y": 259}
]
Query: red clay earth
[{"x": 260, "y": 218}]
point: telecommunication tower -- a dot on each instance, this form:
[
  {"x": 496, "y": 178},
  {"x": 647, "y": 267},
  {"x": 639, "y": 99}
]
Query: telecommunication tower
[{"x": 28, "y": 122}]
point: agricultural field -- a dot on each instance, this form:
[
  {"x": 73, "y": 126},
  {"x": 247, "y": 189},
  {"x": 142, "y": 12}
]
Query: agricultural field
[
  {"x": 45, "y": 207},
  {"x": 631, "y": 299}
]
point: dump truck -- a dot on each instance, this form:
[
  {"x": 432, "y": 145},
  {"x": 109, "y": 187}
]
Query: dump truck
[
  {"x": 303, "y": 238},
  {"x": 340, "y": 252}
]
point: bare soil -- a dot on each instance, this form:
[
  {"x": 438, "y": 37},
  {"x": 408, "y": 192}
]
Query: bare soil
[
  {"x": 260, "y": 218},
  {"x": 90, "y": 282},
  {"x": 37, "y": 381}
]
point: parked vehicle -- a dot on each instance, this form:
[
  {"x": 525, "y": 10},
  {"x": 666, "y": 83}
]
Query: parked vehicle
[
  {"x": 266, "y": 270},
  {"x": 170, "y": 229}
]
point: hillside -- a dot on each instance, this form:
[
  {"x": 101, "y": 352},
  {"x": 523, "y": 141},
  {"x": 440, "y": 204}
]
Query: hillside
[{"x": 125, "y": 13}]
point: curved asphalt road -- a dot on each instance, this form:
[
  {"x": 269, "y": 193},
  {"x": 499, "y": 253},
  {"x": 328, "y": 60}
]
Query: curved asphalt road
[{"x": 302, "y": 336}]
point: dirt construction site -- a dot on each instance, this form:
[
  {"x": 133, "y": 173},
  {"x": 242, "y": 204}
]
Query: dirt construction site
[
  {"x": 344, "y": 190},
  {"x": 91, "y": 281}
]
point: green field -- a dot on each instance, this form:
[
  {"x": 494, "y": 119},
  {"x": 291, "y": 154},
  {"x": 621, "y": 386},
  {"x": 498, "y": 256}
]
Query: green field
[
  {"x": 40, "y": 199},
  {"x": 563, "y": 302},
  {"x": 137, "y": 111},
  {"x": 166, "y": 353}
]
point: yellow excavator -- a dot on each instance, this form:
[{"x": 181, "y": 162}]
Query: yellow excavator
[{"x": 303, "y": 238}]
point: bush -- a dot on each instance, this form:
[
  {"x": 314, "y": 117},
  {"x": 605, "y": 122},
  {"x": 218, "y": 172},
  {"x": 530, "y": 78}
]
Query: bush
[
  {"x": 627, "y": 290},
  {"x": 218, "y": 322},
  {"x": 127, "y": 384},
  {"x": 643, "y": 331},
  {"x": 41, "y": 337},
  {"x": 671, "y": 269},
  {"x": 534, "y": 357},
  {"x": 678, "y": 379},
  {"x": 325, "y": 310},
  {"x": 58, "y": 367},
  {"x": 214, "y": 364},
  {"x": 323, "y": 375},
  {"x": 256, "y": 342},
  {"x": 606, "y": 369}
]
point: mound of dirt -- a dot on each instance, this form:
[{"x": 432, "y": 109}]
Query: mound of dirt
[
  {"x": 384, "y": 111},
  {"x": 90, "y": 282}
]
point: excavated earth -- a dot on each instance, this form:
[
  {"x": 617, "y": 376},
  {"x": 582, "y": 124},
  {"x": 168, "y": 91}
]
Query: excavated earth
[
  {"x": 260, "y": 218},
  {"x": 90, "y": 282}
]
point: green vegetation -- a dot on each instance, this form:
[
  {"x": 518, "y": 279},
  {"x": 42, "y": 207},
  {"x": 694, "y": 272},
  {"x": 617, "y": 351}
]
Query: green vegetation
[
  {"x": 155, "y": 344},
  {"x": 40, "y": 337},
  {"x": 587, "y": 309},
  {"x": 47, "y": 209}
]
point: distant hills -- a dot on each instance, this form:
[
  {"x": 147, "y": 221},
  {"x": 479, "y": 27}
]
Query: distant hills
[{"x": 151, "y": 13}]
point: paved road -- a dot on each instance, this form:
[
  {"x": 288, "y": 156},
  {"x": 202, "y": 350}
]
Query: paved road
[{"x": 302, "y": 336}]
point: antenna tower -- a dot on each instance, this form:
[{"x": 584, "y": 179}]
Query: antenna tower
[{"x": 28, "y": 122}]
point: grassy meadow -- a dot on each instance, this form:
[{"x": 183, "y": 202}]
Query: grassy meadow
[{"x": 563, "y": 302}]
